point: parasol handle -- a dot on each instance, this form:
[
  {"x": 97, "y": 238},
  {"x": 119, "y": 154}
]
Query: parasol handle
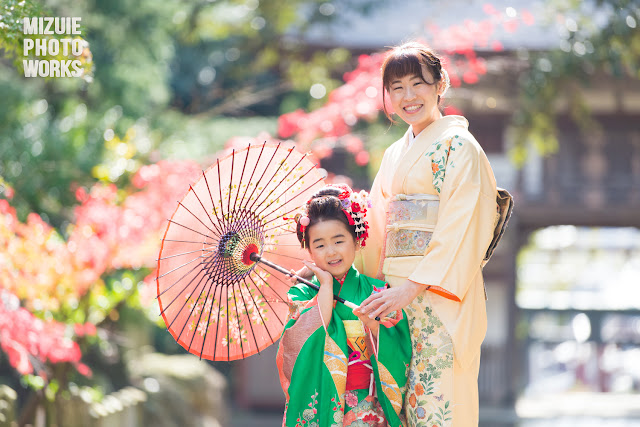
[{"x": 257, "y": 258}]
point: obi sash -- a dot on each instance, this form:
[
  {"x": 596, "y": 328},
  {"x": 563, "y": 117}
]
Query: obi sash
[
  {"x": 359, "y": 370},
  {"x": 411, "y": 220}
]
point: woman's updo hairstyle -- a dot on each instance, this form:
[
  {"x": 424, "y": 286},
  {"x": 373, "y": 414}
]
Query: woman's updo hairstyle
[
  {"x": 323, "y": 206},
  {"x": 407, "y": 59}
]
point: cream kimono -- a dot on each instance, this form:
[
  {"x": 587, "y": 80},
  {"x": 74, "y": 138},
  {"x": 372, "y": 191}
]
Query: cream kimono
[{"x": 445, "y": 224}]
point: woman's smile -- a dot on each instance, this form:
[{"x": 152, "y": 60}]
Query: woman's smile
[
  {"x": 415, "y": 99},
  {"x": 412, "y": 109}
]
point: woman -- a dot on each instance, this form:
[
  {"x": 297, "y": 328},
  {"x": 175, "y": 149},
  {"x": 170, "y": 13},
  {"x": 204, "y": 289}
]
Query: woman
[{"x": 433, "y": 216}]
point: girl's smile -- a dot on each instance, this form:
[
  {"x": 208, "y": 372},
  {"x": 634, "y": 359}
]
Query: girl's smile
[{"x": 332, "y": 247}]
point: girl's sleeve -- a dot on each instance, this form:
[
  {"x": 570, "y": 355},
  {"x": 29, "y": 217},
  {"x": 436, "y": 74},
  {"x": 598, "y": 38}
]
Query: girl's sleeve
[
  {"x": 390, "y": 361},
  {"x": 303, "y": 320},
  {"x": 466, "y": 220},
  {"x": 311, "y": 363}
]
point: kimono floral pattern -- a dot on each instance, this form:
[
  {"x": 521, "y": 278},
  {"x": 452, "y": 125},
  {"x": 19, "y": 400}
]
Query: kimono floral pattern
[
  {"x": 429, "y": 393},
  {"x": 439, "y": 158},
  {"x": 407, "y": 243},
  {"x": 362, "y": 410},
  {"x": 406, "y": 235},
  {"x": 309, "y": 417}
]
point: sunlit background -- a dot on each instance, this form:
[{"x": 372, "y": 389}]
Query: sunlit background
[{"x": 91, "y": 168}]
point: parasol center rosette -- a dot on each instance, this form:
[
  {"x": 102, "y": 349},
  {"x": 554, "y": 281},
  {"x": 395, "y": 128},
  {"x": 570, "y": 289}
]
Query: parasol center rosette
[{"x": 225, "y": 252}]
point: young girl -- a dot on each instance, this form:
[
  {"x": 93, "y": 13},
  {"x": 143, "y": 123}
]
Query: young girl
[{"x": 338, "y": 367}]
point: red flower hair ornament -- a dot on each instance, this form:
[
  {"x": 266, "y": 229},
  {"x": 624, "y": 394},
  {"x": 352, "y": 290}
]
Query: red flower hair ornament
[{"x": 354, "y": 206}]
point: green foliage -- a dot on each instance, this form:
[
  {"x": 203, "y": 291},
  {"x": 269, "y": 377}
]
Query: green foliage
[
  {"x": 12, "y": 37},
  {"x": 53, "y": 130},
  {"x": 156, "y": 64},
  {"x": 12, "y": 13},
  {"x": 242, "y": 57},
  {"x": 599, "y": 41}
]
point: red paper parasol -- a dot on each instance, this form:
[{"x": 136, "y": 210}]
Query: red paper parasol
[{"x": 216, "y": 300}]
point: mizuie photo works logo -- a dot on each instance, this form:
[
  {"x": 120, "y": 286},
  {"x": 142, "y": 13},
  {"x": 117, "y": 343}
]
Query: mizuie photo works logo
[{"x": 54, "y": 47}]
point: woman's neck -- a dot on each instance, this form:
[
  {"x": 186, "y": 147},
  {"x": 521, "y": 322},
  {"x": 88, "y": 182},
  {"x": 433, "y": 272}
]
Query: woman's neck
[{"x": 422, "y": 126}]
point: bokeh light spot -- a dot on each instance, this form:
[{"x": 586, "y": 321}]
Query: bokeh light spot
[
  {"x": 371, "y": 92},
  {"x": 206, "y": 76},
  {"x": 327, "y": 9},
  {"x": 631, "y": 21},
  {"x": 108, "y": 135},
  {"x": 318, "y": 91},
  {"x": 258, "y": 23}
]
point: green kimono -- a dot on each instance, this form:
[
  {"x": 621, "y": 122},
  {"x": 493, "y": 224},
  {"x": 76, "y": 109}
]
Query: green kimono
[{"x": 313, "y": 361}]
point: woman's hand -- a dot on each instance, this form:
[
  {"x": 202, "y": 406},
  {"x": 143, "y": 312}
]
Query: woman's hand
[{"x": 392, "y": 299}]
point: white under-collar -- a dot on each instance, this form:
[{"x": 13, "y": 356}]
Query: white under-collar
[{"x": 412, "y": 138}]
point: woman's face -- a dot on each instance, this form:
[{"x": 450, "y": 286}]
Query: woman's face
[
  {"x": 415, "y": 101},
  {"x": 332, "y": 247}
]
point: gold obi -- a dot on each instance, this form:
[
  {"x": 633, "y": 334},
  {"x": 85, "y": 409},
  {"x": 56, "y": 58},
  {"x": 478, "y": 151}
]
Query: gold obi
[
  {"x": 356, "y": 339},
  {"x": 411, "y": 220},
  {"x": 354, "y": 328}
]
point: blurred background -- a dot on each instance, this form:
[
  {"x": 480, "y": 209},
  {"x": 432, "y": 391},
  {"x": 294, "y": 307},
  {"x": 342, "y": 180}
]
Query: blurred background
[{"x": 91, "y": 168}]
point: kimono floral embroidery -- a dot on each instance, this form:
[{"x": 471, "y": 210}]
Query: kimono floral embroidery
[
  {"x": 407, "y": 243},
  {"x": 406, "y": 220},
  {"x": 308, "y": 415},
  {"x": 295, "y": 309},
  {"x": 439, "y": 157},
  {"x": 431, "y": 365},
  {"x": 366, "y": 412},
  {"x": 350, "y": 398}
]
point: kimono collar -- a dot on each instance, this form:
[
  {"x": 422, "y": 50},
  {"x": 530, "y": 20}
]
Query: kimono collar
[
  {"x": 410, "y": 137},
  {"x": 352, "y": 274},
  {"x": 422, "y": 142}
]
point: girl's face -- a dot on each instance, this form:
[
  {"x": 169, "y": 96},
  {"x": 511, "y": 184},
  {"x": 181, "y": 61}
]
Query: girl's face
[
  {"x": 415, "y": 101},
  {"x": 332, "y": 247}
]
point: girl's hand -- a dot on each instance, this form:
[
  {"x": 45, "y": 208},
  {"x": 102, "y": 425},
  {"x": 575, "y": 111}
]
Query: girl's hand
[
  {"x": 304, "y": 272},
  {"x": 373, "y": 325},
  {"x": 324, "y": 277},
  {"x": 325, "y": 294},
  {"x": 390, "y": 300}
]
